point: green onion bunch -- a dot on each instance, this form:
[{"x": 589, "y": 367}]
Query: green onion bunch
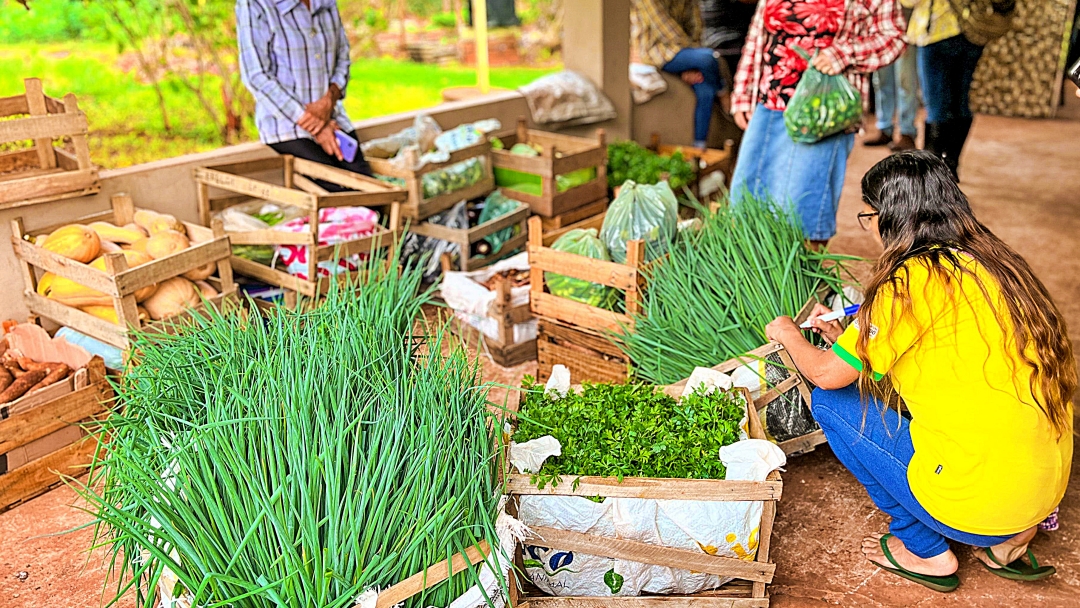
[
  {"x": 631, "y": 430},
  {"x": 712, "y": 296},
  {"x": 300, "y": 459}
]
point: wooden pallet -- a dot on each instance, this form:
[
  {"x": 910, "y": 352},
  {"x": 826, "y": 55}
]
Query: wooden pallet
[
  {"x": 754, "y": 575},
  {"x": 561, "y": 154},
  {"x": 466, "y": 237},
  {"x": 208, "y": 245},
  {"x": 44, "y": 172},
  {"x": 568, "y": 219},
  {"x": 299, "y": 189},
  {"x": 39, "y": 436},
  {"x": 416, "y": 206}
]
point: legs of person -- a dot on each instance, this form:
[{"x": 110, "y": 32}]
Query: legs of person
[
  {"x": 947, "y": 69},
  {"x": 702, "y": 60},
  {"x": 967, "y": 60},
  {"x": 932, "y": 63},
  {"x": 907, "y": 97},
  {"x": 885, "y": 99},
  {"x": 309, "y": 150}
]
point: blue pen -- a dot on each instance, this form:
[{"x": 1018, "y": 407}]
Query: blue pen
[{"x": 833, "y": 316}]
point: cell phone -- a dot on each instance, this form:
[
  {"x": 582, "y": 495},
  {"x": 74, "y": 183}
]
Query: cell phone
[
  {"x": 348, "y": 146},
  {"x": 1074, "y": 73}
]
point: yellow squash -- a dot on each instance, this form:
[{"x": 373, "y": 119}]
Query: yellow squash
[
  {"x": 134, "y": 258},
  {"x": 74, "y": 241},
  {"x": 153, "y": 222},
  {"x": 108, "y": 313},
  {"x": 166, "y": 243},
  {"x": 172, "y": 297}
]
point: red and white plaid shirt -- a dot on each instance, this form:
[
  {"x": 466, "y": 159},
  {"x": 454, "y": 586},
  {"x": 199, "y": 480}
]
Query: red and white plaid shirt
[{"x": 870, "y": 37}]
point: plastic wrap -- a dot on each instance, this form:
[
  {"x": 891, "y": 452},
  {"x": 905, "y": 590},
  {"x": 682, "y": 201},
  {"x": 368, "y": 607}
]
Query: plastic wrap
[
  {"x": 422, "y": 135},
  {"x": 821, "y": 106},
  {"x": 454, "y": 177},
  {"x": 586, "y": 243},
  {"x": 497, "y": 205},
  {"x": 644, "y": 212},
  {"x": 415, "y": 247}
]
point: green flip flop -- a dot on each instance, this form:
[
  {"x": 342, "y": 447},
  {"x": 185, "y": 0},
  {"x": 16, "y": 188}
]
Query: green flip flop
[
  {"x": 1019, "y": 570},
  {"x": 944, "y": 584}
]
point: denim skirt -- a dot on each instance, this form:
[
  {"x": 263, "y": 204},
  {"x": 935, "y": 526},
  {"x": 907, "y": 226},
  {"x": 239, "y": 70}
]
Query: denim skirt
[{"x": 805, "y": 177}]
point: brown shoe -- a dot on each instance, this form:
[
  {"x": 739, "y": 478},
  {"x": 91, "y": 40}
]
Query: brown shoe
[
  {"x": 881, "y": 139},
  {"x": 906, "y": 142}
]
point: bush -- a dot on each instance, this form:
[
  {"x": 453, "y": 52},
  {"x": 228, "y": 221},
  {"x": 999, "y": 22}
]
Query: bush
[
  {"x": 444, "y": 20},
  {"x": 45, "y": 21}
]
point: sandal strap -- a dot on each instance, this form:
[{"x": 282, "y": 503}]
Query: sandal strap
[
  {"x": 884, "y": 541},
  {"x": 1031, "y": 559},
  {"x": 993, "y": 558}
]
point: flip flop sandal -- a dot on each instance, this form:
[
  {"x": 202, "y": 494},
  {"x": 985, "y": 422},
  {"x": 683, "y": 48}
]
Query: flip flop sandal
[
  {"x": 944, "y": 584},
  {"x": 1019, "y": 570}
]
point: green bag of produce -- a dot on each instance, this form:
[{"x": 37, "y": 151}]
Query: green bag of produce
[
  {"x": 586, "y": 243},
  {"x": 821, "y": 106},
  {"x": 641, "y": 211},
  {"x": 455, "y": 177},
  {"x": 497, "y": 205}
]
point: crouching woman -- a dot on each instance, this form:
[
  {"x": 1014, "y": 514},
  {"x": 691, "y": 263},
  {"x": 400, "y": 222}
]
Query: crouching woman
[{"x": 957, "y": 331}]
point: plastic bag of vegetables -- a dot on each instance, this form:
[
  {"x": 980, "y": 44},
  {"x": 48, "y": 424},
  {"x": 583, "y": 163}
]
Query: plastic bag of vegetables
[
  {"x": 586, "y": 243},
  {"x": 641, "y": 211},
  {"x": 455, "y": 177},
  {"x": 821, "y": 106},
  {"x": 496, "y": 205}
]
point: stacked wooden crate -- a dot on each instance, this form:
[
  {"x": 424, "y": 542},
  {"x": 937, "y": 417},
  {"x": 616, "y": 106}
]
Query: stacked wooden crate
[{"x": 289, "y": 181}]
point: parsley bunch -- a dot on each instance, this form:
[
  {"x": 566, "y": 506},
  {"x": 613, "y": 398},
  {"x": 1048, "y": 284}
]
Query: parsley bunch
[
  {"x": 631, "y": 430},
  {"x": 628, "y": 160}
]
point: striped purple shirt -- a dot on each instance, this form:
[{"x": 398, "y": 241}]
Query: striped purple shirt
[{"x": 289, "y": 56}]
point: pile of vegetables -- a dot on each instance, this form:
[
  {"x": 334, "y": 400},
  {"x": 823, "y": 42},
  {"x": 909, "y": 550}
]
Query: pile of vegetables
[
  {"x": 720, "y": 285},
  {"x": 151, "y": 237},
  {"x": 530, "y": 183},
  {"x": 21, "y": 376},
  {"x": 628, "y": 160},
  {"x": 298, "y": 460},
  {"x": 631, "y": 430},
  {"x": 583, "y": 242}
]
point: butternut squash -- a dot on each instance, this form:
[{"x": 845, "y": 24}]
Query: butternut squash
[
  {"x": 154, "y": 222},
  {"x": 166, "y": 243},
  {"x": 74, "y": 241},
  {"x": 206, "y": 289},
  {"x": 116, "y": 234},
  {"x": 202, "y": 272},
  {"x": 172, "y": 297}
]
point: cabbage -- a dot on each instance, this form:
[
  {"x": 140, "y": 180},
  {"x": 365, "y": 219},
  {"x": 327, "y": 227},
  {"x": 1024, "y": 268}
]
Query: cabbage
[{"x": 586, "y": 243}]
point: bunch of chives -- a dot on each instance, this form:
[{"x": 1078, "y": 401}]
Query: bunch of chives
[
  {"x": 712, "y": 296},
  {"x": 298, "y": 460}
]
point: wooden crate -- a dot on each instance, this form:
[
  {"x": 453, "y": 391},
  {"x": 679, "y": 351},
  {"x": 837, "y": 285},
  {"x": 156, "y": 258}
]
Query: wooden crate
[
  {"x": 568, "y": 219},
  {"x": 417, "y": 207},
  {"x": 627, "y": 278},
  {"x": 503, "y": 350},
  {"x": 208, "y": 245},
  {"x": 39, "y": 439},
  {"x": 561, "y": 154},
  {"x": 589, "y": 355},
  {"x": 466, "y": 237},
  {"x": 299, "y": 190},
  {"x": 705, "y": 162},
  {"x": 752, "y": 576},
  {"x": 44, "y": 172}
]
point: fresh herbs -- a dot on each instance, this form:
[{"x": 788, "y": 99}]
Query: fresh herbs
[
  {"x": 719, "y": 286},
  {"x": 628, "y": 160},
  {"x": 298, "y": 459},
  {"x": 631, "y": 430}
]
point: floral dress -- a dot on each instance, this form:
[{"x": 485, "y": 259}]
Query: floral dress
[{"x": 810, "y": 24}]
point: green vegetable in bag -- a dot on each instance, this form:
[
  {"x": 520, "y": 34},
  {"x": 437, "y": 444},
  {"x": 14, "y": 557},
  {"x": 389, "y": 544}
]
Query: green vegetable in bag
[
  {"x": 586, "y": 243},
  {"x": 496, "y": 205},
  {"x": 821, "y": 106},
  {"x": 455, "y": 177},
  {"x": 641, "y": 211}
]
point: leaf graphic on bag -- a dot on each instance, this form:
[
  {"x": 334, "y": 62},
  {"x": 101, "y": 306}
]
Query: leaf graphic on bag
[{"x": 613, "y": 580}]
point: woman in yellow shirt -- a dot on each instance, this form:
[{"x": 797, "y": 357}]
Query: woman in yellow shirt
[{"x": 957, "y": 330}]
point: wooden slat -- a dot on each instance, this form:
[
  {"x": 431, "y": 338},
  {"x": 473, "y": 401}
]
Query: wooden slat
[
  {"x": 224, "y": 202},
  {"x": 777, "y": 391},
  {"x": 308, "y": 186},
  {"x": 64, "y": 267},
  {"x": 583, "y": 366},
  {"x": 42, "y": 127},
  {"x": 594, "y": 222},
  {"x": 362, "y": 199},
  {"x": 431, "y": 206},
  {"x": 77, "y": 319},
  {"x": 20, "y": 429},
  {"x": 803, "y": 443},
  {"x": 271, "y": 237},
  {"x": 35, "y": 101},
  {"x": 432, "y": 576},
  {"x": 39, "y": 475},
  {"x": 585, "y": 159},
  {"x": 47, "y": 187},
  {"x": 533, "y": 165},
  {"x": 12, "y": 106},
  {"x": 619, "y": 276},
  {"x": 40, "y": 396},
  {"x": 262, "y": 165},
  {"x": 565, "y": 220},
  {"x": 577, "y": 196},
  {"x": 646, "y": 487},
  {"x": 577, "y": 313},
  {"x": 255, "y": 188},
  {"x": 366, "y": 244},
  {"x": 518, "y": 216},
  {"x": 66, "y": 160},
  {"x": 654, "y": 555},
  {"x": 643, "y": 602},
  {"x": 201, "y": 254},
  {"x": 508, "y": 249},
  {"x": 18, "y": 160},
  {"x": 443, "y": 233},
  {"x": 272, "y": 276},
  {"x": 347, "y": 179}
]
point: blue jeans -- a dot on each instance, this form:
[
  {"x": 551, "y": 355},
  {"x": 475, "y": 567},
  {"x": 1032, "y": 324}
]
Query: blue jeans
[
  {"x": 946, "y": 70},
  {"x": 702, "y": 60},
  {"x": 896, "y": 94},
  {"x": 804, "y": 177},
  {"x": 878, "y": 454}
]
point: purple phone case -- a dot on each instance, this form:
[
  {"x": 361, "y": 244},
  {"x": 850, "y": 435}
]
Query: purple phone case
[{"x": 348, "y": 146}]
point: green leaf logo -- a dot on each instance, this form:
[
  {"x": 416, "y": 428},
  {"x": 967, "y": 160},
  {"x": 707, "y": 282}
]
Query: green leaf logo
[{"x": 613, "y": 580}]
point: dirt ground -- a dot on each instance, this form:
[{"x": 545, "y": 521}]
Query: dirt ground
[{"x": 1021, "y": 177}]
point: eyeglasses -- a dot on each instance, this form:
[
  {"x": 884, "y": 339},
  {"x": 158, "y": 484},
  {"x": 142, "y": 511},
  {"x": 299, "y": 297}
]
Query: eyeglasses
[{"x": 864, "y": 219}]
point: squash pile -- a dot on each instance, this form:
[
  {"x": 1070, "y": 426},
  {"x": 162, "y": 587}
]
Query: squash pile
[{"x": 151, "y": 237}]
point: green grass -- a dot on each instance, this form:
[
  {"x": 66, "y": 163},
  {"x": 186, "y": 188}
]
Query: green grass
[{"x": 126, "y": 126}]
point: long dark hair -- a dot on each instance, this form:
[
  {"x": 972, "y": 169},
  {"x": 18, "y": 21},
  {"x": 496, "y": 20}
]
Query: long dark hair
[{"x": 924, "y": 218}]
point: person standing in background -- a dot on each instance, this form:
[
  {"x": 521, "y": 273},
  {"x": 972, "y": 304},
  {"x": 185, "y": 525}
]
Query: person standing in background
[
  {"x": 667, "y": 35},
  {"x": 946, "y": 65},
  {"x": 726, "y": 24},
  {"x": 850, "y": 37},
  {"x": 294, "y": 58},
  {"x": 896, "y": 96}
]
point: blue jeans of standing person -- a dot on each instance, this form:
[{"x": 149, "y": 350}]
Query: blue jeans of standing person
[
  {"x": 704, "y": 61},
  {"x": 804, "y": 177},
  {"x": 877, "y": 452},
  {"x": 946, "y": 70},
  {"x": 896, "y": 90}
]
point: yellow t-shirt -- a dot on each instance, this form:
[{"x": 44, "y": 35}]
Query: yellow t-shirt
[
  {"x": 931, "y": 21},
  {"x": 986, "y": 459}
]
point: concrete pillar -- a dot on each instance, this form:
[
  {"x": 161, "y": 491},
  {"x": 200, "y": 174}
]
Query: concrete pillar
[{"x": 596, "y": 43}]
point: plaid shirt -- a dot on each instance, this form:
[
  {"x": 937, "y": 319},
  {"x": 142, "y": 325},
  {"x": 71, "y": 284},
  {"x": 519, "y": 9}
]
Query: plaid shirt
[
  {"x": 289, "y": 56},
  {"x": 870, "y": 37},
  {"x": 660, "y": 29}
]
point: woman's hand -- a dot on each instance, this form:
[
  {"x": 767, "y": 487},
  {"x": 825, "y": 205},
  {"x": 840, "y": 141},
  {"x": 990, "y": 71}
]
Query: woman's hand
[
  {"x": 830, "y": 329},
  {"x": 741, "y": 119},
  {"x": 824, "y": 63},
  {"x": 783, "y": 330}
]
